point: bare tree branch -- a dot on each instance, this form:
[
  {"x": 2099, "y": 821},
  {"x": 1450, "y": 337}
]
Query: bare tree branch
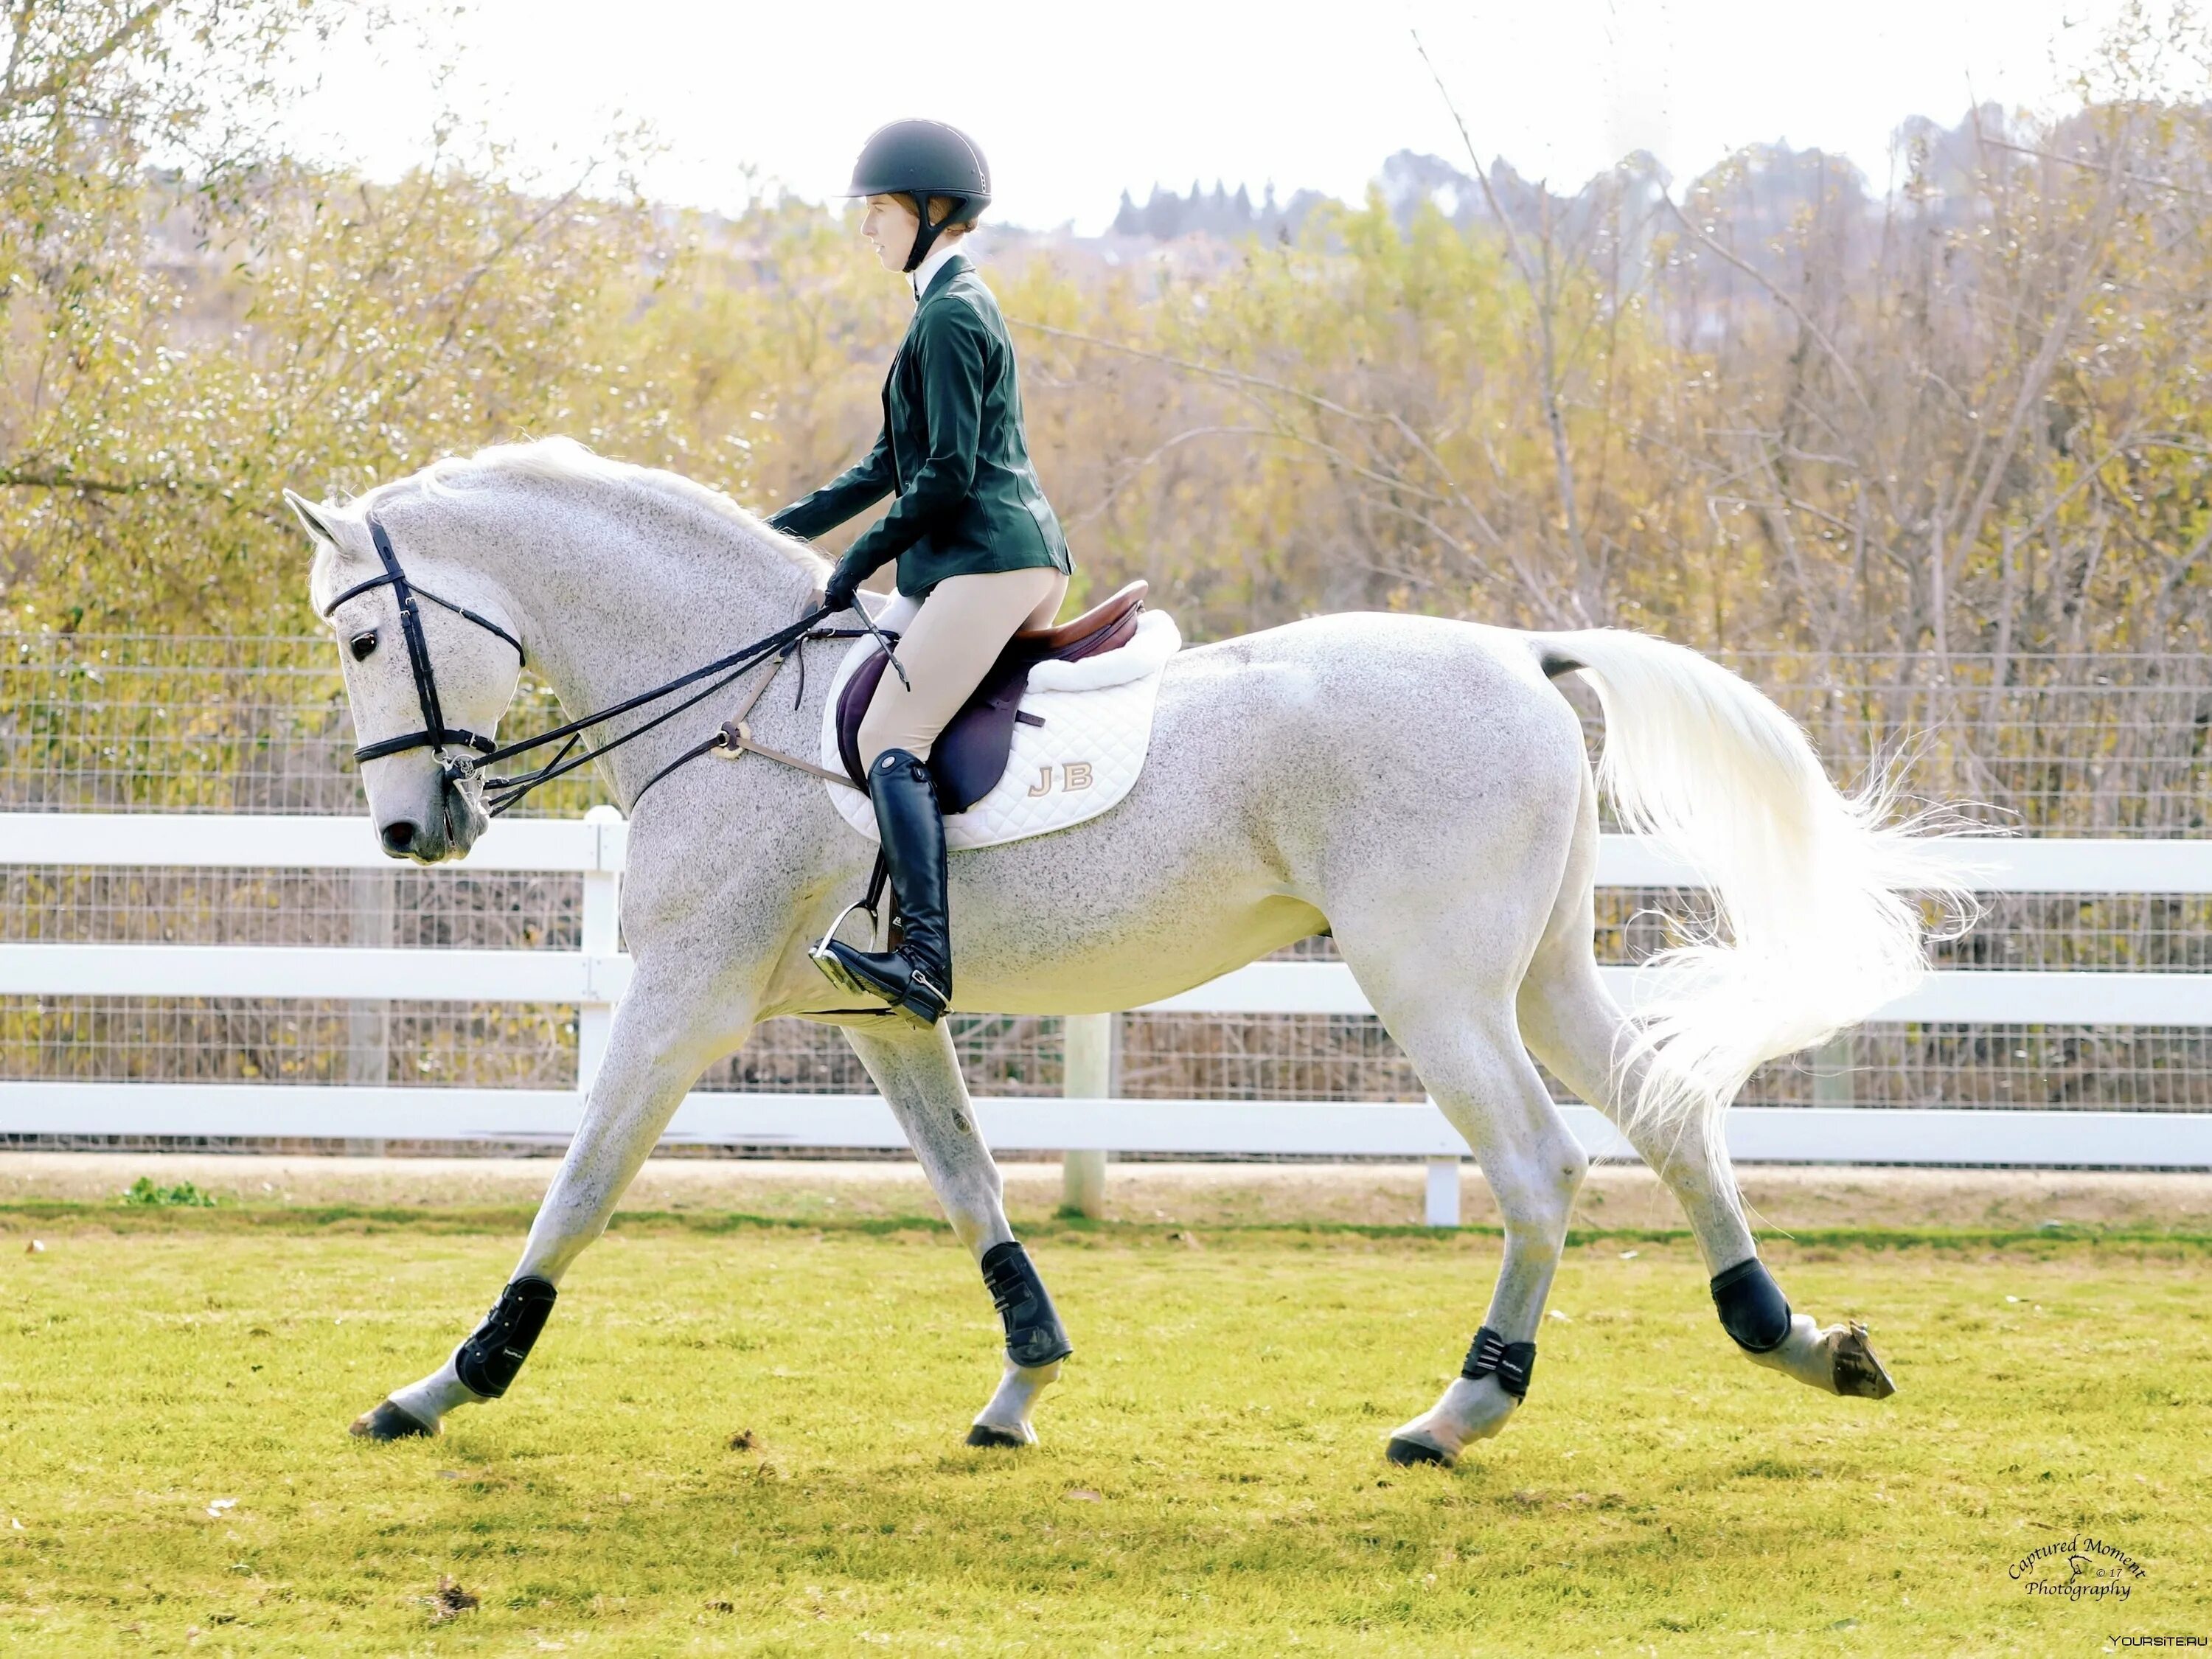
[{"x": 71, "y": 71}]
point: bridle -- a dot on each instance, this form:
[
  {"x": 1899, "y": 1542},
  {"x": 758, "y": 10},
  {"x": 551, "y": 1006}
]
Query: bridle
[
  {"x": 500, "y": 794},
  {"x": 434, "y": 733}
]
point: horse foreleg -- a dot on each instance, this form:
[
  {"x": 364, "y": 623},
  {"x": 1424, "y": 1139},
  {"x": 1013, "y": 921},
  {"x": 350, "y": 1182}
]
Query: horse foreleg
[
  {"x": 920, "y": 1079},
  {"x": 656, "y": 1050}
]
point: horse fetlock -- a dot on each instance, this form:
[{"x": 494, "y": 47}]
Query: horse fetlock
[
  {"x": 1469, "y": 1410},
  {"x": 481, "y": 1368},
  {"x": 419, "y": 1408},
  {"x": 1005, "y": 1420},
  {"x": 1838, "y": 1360}
]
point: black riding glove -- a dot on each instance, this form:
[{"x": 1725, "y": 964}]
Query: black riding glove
[{"x": 844, "y": 582}]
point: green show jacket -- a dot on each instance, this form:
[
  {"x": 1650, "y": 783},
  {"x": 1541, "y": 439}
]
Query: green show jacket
[{"x": 951, "y": 451}]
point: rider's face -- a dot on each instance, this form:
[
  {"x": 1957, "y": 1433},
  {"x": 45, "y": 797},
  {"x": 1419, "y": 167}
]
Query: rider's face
[{"x": 890, "y": 228}]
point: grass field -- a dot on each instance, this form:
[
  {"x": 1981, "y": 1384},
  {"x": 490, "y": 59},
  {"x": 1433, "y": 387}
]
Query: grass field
[{"x": 174, "y": 1475}]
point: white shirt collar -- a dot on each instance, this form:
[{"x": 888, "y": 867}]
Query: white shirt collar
[{"x": 932, "y": 262}]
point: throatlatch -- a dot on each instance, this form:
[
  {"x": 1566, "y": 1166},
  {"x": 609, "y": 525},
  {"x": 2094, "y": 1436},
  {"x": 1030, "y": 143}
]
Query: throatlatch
[
  {"x": 490, "y": 1359},
  {"x": 1512, "y": 1363},
  {"x": 1752, "y": 1309},
  {"x": 1035, "y": 1336}
]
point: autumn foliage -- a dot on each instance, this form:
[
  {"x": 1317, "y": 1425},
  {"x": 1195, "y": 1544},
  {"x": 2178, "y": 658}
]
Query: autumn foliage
[{"x": 1770, "y": 410}]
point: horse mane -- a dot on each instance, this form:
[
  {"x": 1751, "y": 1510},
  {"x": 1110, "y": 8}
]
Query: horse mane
[{"x": 564, "y": 461}]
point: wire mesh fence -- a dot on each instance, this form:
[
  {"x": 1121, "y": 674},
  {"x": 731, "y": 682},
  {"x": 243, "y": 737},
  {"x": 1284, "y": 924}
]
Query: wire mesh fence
[
  {"x": 2108, "y": 746},
  {"x": 2055, "y": 744},
  {"x": 121, "y": 723}
]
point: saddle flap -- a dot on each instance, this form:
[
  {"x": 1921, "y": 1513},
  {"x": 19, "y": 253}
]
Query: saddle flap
[{"x": 969, "y": 756}]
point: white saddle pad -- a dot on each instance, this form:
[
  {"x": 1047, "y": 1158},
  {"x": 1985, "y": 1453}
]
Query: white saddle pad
[{"x": 1098, "y": 716}]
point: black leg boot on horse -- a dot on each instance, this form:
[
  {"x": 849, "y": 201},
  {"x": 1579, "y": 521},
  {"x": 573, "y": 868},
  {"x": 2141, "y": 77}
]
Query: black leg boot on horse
[{"x": 915, "y": 975}]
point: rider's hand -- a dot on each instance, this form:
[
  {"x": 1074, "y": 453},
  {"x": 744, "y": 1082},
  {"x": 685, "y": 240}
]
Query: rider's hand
[{"x": 844, "y": 582}]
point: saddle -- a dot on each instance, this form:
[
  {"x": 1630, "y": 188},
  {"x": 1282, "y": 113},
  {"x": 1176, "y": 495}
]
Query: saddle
[{"x": 969, "y": 756}]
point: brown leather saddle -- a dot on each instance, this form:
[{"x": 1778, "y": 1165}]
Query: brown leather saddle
[{"x": 969, "y": 756}]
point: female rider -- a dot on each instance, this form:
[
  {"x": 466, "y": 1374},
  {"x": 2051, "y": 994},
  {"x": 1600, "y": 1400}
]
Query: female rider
[{"x": 976, "y": 541}]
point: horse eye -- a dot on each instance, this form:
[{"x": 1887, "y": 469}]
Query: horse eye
[{"x": 362, "y": 644}]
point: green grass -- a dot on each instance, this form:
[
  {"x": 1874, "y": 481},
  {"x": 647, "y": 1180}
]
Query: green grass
[
  {"x": 1210, "y": 1479},
  {"x": 146, "y": 1193}
]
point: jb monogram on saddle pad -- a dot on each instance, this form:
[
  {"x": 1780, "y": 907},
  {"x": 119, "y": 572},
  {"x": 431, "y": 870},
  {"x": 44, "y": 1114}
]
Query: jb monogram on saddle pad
[{"x": 1235, "y": 796}]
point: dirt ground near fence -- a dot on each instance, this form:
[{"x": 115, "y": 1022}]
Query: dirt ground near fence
[{"x": 1191, "y": 1194}]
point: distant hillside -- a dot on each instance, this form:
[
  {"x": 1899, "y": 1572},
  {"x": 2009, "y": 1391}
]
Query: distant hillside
[
  {"x": 1772, "y": 186},
  {"x": 1166, "y": 215}
]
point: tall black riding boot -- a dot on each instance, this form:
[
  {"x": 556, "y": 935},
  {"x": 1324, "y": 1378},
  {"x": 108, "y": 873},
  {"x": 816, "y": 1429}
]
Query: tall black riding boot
[{"x": 916, "y": 977}]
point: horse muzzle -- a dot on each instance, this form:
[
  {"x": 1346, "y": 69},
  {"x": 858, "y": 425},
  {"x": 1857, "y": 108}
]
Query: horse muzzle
[{"x": 450, "y": 826}]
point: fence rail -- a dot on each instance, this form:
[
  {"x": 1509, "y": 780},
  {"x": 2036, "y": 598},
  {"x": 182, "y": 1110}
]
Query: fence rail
[{"x": 593, "y": 977}]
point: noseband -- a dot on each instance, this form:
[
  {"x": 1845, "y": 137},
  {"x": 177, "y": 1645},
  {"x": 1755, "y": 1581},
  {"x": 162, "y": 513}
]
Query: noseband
[
  {"x": 435, "y": 733},
  {"x": 503, "y": 792}
]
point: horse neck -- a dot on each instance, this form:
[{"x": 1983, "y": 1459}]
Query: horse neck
[{"x": 619, "y": 596}]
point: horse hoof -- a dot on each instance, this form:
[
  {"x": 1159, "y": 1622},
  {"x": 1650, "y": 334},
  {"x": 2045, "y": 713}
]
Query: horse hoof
[
  {"x": 1406, "y": 1453},
  {"x": 1858, "y": 1373},
  {"x": 984, "y": 1435},
  {"x": 388, "y": 1422}
]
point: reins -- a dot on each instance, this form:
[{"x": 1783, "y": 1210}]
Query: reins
[{"x": 734, "y": 738}]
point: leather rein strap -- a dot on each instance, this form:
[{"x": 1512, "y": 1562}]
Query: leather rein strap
[
  {"x": 735, "y": 740},
  {"x": 503, "y": 792}
]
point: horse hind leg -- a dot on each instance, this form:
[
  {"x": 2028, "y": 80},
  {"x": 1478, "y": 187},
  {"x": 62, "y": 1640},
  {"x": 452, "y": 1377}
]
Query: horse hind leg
[
  {"x": 1571, "y": 1024},
  {"x": 1474, "y": 1068}
]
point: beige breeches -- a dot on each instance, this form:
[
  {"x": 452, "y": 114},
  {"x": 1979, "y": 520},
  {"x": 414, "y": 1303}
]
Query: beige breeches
[{"x": 948, "y": 648}]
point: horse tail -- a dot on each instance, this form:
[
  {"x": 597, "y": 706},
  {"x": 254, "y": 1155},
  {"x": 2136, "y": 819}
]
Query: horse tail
[{"x": 1815, "y": 916}]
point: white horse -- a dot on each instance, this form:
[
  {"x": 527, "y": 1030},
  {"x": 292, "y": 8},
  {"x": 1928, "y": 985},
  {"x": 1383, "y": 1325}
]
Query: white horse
[{"x": 1413, "y": 786}]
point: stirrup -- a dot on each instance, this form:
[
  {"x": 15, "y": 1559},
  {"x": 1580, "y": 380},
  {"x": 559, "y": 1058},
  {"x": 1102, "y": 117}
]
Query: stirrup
[
  {"x": 826, "y": 959},
  {"x": 833, "y": 967}
]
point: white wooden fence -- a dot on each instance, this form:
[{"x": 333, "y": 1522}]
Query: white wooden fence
[{"x": 1084, "y": 1123}]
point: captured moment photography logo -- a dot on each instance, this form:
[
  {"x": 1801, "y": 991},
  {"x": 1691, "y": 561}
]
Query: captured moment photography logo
[{"x": 2079, "y": 1568}]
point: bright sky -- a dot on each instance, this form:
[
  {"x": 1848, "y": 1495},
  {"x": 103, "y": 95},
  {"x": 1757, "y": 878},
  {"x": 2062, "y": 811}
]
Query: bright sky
[{"x": 1074, "y": 103}]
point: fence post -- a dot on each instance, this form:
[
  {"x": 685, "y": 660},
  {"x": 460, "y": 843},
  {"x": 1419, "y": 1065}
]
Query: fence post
[
  {"x": 602, "y": 936},
  {"x": 1442, "y": 1209},
  {"x": 368, "y": 1022},
  {"x": 1089, "y": 1069}
]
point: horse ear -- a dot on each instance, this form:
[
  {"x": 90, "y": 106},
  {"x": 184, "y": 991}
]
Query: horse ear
[{"x": 311, "y": 517}]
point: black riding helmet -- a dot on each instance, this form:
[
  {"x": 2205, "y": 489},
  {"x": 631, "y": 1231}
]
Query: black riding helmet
[{"x": 923, "y": 159}]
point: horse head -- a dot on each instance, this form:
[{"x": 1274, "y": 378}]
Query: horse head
[{"x": 431, "y": 657}]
